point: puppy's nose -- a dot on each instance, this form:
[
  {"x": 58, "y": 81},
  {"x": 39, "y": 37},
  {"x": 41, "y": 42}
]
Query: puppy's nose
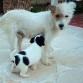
[{"x": 61, "y": 26}]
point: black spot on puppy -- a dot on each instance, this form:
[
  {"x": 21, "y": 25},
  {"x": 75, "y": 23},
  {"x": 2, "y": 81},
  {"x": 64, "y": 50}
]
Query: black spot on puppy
[
  {"x": 17, "y": 59},
  {"x": 22, "y": 52},
  {"x": 40, "y": 41},
  {"x": 25, "y": 60}
]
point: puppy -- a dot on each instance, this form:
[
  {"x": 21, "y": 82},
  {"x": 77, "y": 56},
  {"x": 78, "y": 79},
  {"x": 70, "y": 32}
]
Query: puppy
[
  {"x": 29, "y": 56},
  {"x": 47, "y": 23}
]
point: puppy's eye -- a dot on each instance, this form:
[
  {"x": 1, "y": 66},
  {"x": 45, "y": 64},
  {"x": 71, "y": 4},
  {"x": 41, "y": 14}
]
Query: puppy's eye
[
  {"x": 57, "y": 15},
  {"x": 66, "y": 16}
]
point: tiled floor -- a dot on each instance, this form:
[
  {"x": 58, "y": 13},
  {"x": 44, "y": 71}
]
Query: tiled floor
[
  {"x": 77, "y": 20},
  {"x": 68, "y": 53}
]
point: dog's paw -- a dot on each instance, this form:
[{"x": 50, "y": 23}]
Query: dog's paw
[
  {"x": 52, "y": 60},
  {"x": 24, "y": 75},
  {"x": 48, "y": 63}
]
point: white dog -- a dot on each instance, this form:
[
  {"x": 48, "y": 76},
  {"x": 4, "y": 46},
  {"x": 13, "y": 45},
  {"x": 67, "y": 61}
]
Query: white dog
[
  {"x": 29, "y": 56},
  {"x": 47, "y": 23}
]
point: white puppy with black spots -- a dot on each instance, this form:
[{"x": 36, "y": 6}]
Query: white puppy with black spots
[{"x": 29, "y": 56}]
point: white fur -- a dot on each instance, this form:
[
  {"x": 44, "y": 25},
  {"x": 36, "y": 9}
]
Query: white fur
[
  {"x": 33, "y": 53},
  {"x": 66, "y": 9},
  {"x": 35, "y": 23}
]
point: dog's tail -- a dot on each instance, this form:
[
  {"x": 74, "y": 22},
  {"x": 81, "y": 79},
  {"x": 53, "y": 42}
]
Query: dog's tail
[
  {"x": 1, "y": 23},
  {"x": 0, "y": 20},
  {"x": 4, "y": 23}
]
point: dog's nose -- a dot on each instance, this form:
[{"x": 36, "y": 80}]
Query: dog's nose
[{"x": 61, "y": 26}]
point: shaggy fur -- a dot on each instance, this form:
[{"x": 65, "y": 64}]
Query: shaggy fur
[
  {"x": 47, "y": 23},
  {"x": 28, "y": 57}
]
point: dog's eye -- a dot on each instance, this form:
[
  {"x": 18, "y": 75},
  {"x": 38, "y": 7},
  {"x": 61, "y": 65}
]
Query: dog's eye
[
  {"x": 57, "y": 15},
  {"x": 66, "y": 16}
]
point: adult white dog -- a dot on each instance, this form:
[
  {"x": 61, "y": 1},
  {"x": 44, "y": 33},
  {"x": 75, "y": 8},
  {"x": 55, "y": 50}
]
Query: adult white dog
[{"x": 47, "y": 23}]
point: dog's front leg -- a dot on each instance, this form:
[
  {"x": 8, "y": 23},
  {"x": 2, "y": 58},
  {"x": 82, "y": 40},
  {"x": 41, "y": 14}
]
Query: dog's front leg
[
  {"x": 46, "y": 52},
  {"x": 48, "y": 38},
  {"x": 24, "y": 69},
  {"x": 46, "y": 55}
]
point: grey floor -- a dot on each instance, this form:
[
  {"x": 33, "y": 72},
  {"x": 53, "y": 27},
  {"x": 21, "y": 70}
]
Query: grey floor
[{"x": 67, "y": 50}]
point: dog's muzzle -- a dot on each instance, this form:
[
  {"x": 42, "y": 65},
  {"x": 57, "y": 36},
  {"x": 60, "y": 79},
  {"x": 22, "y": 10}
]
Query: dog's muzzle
[{"x": 61, "y": 26}]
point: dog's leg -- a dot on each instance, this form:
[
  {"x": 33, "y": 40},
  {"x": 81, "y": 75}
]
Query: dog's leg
[
  {"x": 20, "y": 37},
  {"x": 46, "y": 60},
  {"x": 11, "y": 40},
  {"x": 15, "y": 39},
  {"x": 23, "y": 72},
  {"x": 48, "y": 38},
  {"x": 10, "y": 35},
  {"x": 9, "y": 29},
  {"x": 19, "y": 43}
]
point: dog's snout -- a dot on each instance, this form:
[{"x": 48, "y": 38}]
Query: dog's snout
[{"x": 61, "y": 26}]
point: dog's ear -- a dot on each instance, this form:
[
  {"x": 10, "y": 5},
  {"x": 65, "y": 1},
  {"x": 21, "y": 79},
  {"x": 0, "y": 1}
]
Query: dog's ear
[
  {"x": 52, "y": 8},
  {"x": 32, "y": 40},
  {"x": 72, "y": 4}
]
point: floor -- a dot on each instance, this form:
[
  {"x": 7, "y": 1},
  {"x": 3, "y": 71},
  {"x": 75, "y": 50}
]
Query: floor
[
  {"x": 77, "y": 20},
  {"x": 68, "y": 53}
]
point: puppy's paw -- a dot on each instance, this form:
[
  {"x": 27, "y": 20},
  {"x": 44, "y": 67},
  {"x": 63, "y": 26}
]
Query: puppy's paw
[{"x": 24, "y": 75}]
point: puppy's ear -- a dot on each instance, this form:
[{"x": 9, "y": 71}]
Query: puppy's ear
[
  {"x": 32, "y": 40},
  {"x": 72, "y": 4},
  {"x": 40, "y": 41},
  {"x": 52, "y": 8},
  {"x": 43, "y": 40}
]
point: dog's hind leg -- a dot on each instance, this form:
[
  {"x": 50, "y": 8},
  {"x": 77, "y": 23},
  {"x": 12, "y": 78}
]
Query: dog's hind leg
[
  {"x": 11, "y": 38},
  {"x": 20, "y": 36}
]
